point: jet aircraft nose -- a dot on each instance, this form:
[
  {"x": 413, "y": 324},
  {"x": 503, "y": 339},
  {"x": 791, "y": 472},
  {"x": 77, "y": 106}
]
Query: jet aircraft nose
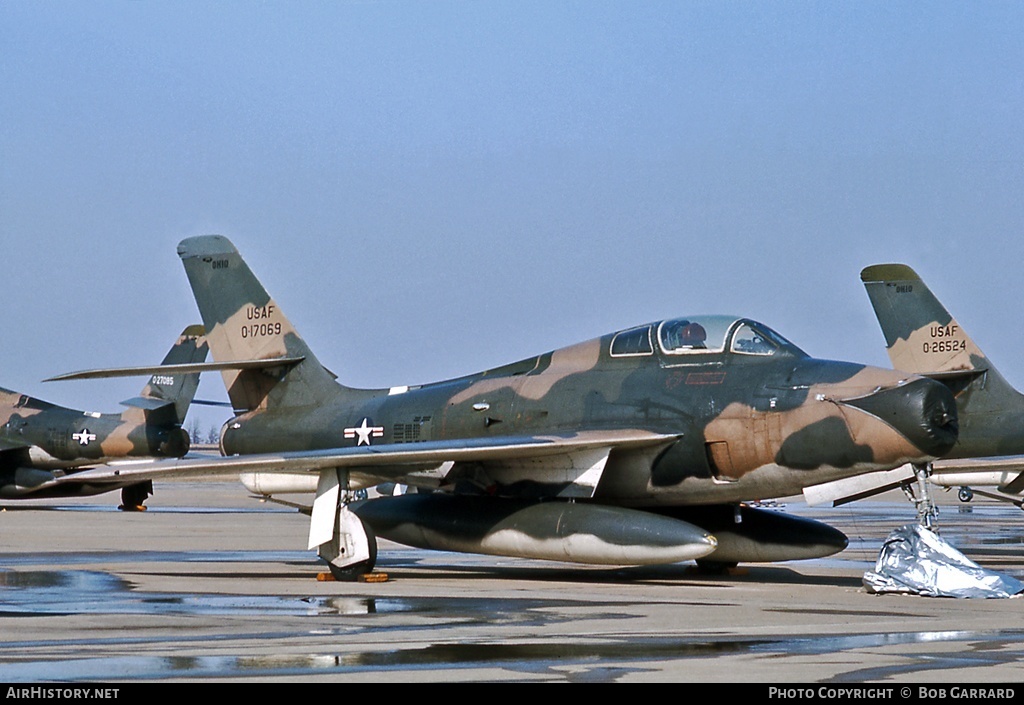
[{"x": 923, "y": 410}]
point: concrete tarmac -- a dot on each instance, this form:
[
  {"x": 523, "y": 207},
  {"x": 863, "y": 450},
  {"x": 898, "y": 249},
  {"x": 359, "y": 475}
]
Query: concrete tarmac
[{"x": 211, "y": 585}]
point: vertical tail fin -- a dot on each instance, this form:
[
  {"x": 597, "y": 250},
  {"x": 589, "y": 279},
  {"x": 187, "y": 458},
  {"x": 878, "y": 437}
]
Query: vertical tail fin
[
  {"x": 191, "y": 347},
  {"x": 920, "y": 334},
  {"x": 923, "y": 337},
  {"x": 244, "y": 323}
]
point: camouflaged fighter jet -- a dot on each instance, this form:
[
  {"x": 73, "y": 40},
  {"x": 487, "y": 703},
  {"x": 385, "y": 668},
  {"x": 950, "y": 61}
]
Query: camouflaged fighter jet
[
  {"x": 922, "y": 337},
  {"x": 43, "y": 446},
  {"x": 637, "y": 447}
]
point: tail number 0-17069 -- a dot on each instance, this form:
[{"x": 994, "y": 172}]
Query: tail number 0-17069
[{"x": 259, "y": 330}]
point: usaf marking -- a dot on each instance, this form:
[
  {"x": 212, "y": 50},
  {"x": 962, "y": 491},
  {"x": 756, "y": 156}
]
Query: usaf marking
[{"x": 944, "y": 339}]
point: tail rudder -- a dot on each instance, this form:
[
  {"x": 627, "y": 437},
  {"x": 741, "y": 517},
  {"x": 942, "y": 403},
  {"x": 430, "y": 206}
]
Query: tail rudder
[
  {"x": 244, "y": 323},
  {"x": 191, "y": 347}
]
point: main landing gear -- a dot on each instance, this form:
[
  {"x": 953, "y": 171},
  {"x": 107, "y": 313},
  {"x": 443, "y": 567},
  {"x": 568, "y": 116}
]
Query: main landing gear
[
  {"x": 133, "y": 497},
  {"x": 355, "y": 571},
  {"x": 927, "y": 512},
  {"x": 350, "y": 551}
]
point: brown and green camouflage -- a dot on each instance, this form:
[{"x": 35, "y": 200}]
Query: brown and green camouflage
[{"x": 669, "y": 416}]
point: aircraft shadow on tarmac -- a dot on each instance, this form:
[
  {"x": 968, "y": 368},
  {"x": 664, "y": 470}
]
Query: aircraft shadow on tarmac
[{"x": 678, "y": 574}]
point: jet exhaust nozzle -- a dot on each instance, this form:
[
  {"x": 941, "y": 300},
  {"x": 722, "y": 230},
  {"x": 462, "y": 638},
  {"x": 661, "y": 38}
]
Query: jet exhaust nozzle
[{"x": 923, "y": 410}]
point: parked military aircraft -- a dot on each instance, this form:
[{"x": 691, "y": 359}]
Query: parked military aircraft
[
  {"x": 43, "y": 446},
  {"x": 922, "y": 337},
  {"x": 637, "y": 447}
]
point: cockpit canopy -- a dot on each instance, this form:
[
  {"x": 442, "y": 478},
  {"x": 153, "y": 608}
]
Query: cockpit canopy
[{"x": 701, "y": 335}]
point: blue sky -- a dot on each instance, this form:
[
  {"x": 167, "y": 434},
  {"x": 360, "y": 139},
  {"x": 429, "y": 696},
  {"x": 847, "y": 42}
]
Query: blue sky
[{"x": 433, "y": 188}]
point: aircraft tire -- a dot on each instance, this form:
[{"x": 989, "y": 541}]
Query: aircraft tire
[
  {"x": 965, "y": 494},
  {"x": 133, "y": 497},
  {"x": 351, "y": 573}
]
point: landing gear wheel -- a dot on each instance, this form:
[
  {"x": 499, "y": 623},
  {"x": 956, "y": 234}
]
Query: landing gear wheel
[
  {"x": 351, "y": 573},
  {"x": 715, "y": 567},
  {"x": 965, "y": 494},
  {"x": 133, "y": 497}
]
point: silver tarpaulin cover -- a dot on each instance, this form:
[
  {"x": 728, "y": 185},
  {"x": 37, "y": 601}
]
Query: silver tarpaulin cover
[{"x": 917, "y": 561}]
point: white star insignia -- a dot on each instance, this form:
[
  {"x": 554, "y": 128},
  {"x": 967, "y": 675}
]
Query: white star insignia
[
  {"x": 84, "y": 437},
  {"x": 364, "y": 431}
]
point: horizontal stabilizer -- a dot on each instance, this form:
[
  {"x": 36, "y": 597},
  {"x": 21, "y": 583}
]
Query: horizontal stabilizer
[
  {"x": 269, "y": 363},
  {"x": 211, "y": 402},
  {"x": 147, "y": 403}
]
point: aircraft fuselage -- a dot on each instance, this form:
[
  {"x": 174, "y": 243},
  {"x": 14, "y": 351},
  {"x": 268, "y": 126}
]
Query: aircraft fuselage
[
  {"x": 38, "y": 438},
  {"x": 742, "y": 425}
]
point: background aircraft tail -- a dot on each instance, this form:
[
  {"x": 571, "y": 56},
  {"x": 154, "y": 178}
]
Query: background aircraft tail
[
  {"x": 191, "y": 347},
  {"x": 243, "y": 323},
  {"x": 921, "y": 336}
]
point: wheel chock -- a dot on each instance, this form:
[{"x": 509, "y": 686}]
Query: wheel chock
[{"x": 327, "y": 577}]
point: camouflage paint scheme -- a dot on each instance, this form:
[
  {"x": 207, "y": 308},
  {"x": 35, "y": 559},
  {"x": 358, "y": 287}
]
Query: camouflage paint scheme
[
  {"x": 778, "y": 417},
  {"x": 40, "y": 441},
  {"x": 921, "y": 336},
  {"x": 660, "y": 420}
]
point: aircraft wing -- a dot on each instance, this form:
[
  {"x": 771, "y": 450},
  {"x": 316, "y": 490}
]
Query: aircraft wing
[
  {"x": 1005, "y": 473},
  {"x": 573, "y": 461}
]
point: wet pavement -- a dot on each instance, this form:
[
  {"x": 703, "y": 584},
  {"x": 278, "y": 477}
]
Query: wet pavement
[{"x": 210, "y": 584}]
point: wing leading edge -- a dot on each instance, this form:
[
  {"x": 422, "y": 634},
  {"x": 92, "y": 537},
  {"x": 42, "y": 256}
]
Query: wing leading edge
[{"x": 576, "y": 459}]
